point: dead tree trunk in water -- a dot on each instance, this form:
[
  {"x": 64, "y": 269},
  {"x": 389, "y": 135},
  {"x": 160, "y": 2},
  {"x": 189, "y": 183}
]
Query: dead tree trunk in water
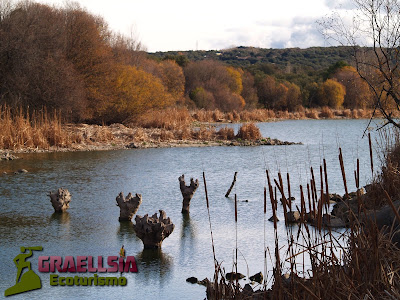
[
  {"x": 233, "y": 183},
  {"x": 128, "y": 206},
  {"x": 60, "y": 200},
  {"x": 153, "y": 230},
  {"x": 187, "y": 192}
]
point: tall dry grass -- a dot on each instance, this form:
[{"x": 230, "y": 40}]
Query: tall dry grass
[
  {"x": 249, "y": 131},
  {"x": 36, "y": 130},
  {"x": 178, "y": 118},
  {"x": 169, "y": 118}
]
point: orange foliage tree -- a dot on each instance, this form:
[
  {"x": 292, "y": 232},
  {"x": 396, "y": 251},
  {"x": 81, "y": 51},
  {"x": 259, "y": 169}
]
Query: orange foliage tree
[
  {"x": 358, "y": 94},
  {"x": 137, "y": 92},
  {"x": 171, "y": 75},
  {"x": 210, "y": 84},
  {"x": 249, "y": 92},
  {"x": 276, "y": 95},
  {"x": 331, "y": 93}
]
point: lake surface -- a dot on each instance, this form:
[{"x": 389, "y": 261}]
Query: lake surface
[{"x": 91, "y": 227}]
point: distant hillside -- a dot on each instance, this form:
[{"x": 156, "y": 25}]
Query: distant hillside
[{"x": 313, "y": 59}]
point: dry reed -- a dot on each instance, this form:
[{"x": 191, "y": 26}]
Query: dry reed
[
  {"x": 249, "y": 131},
  {"x": 326, "y": 113},
  {"x": 41, "y": 129},
  {"x": 367, "y": 266}
]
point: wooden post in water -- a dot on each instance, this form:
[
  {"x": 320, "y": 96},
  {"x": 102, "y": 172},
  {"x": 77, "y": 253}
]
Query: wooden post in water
[{"x": 232, "y": 184}]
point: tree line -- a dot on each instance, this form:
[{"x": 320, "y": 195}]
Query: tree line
[{"x": 69, "y": 60}]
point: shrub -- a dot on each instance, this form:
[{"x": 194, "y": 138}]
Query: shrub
[
  {"x": 249, "y": 131},
  {"x": 326, "y": 113},
  {"x": 226, "y": 133}
]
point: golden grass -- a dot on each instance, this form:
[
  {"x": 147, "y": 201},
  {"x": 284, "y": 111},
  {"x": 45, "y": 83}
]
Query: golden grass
[
  {"x": 249, "y": 131},
  {"x": 37, "y": 130},
  {"x": 169, "y": 118},
  {"x": 326, "y": 113},
  {"x": 226, "y": 133}
]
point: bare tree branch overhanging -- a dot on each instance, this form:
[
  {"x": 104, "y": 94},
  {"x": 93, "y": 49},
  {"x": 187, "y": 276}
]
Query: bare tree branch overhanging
[{"x": 373, "y": 34}]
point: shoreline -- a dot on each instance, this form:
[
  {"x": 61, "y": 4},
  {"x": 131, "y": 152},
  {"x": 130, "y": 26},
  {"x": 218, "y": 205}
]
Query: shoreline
[
  {"x": 84, "y": 137},
  {"x": 10, "y": 154}
]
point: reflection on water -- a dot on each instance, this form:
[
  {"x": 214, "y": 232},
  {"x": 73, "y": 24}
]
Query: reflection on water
[
  {"x": 61, "y": 218},
  {"x": 154, "y": 264},
  {"x": 187, "y": 243},
  {"x": 126, "y": 232},
  {"x": 188, "y": 228}
]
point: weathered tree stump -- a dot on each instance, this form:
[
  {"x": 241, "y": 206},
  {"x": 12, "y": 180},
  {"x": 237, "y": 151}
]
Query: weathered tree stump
[
  {"x": 128, "y": 206},
  {"x": 153, "y": 230},
  {"x": 187, "y": 192},
  {"x": 60, "y": 200}
]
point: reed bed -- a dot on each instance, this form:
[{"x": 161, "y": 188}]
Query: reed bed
[
  {"x": 177, "y": 118},
  {"x": 38, "y": 129},
  {"x": 169, "y": 118},
  {"x": 362, "y": 263}
]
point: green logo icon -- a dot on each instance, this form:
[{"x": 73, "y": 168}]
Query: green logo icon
[{"x": 29, "y": 280}]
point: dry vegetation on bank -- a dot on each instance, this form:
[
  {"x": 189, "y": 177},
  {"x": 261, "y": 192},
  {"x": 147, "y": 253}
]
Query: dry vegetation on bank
[
  {"x": 363, "y": 263},
  {"x": 42, "y": 130}
]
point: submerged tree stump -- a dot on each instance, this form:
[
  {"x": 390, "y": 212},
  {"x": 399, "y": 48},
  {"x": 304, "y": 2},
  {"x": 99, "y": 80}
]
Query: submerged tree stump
[
  {"x": 60, "y": 200},
  {"x": 187, "y": 192},
  {"x": 153, "y": 230},
  {"x": 128, "y": 206}
]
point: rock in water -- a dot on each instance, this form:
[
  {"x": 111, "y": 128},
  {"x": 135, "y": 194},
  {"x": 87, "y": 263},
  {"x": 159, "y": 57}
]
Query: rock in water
[
  {"x": 292, "y": 217},
  {"x": 192, "y": 280},
  {"x": 128, "y": 206},
  {"x": 272, "y": 219},
  {"x": 234, "y": 276},
  {"x": 257, "y": 277},
  {"x": 60, "y": 200},
  {"x": 332, "y": 221},
  {"x": 187, "y": 192},
  {"x": 153, "y": 230}
]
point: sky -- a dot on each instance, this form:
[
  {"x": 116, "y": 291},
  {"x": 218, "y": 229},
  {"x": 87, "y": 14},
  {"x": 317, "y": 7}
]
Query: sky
[{"x": 215, "y": 24}]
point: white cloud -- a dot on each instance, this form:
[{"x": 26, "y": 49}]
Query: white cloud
[{"x": 210, "y": 24}]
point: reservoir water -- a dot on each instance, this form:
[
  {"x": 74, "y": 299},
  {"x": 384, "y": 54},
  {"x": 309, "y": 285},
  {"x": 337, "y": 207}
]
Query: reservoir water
[{"x": 91, "y": 227}]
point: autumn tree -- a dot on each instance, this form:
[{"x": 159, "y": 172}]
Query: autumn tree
[
  {"x": 202, "y": 98},
  {"x": 87, "y": 47},
  {"x": 249, "y": 92},
  {"x": 137, "y": 92},
  {"x": 331, "y": 93},
  {"x": 358, "y": 94},
  {"x": 173, "y": 79},
  {"x": 127, "y": 50},
  {"x": 293, "y": 96},
  {"x": 278, "y": 95},
  {"x": 208, "y": 78},
  {"x": 34, "y": 71}
]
